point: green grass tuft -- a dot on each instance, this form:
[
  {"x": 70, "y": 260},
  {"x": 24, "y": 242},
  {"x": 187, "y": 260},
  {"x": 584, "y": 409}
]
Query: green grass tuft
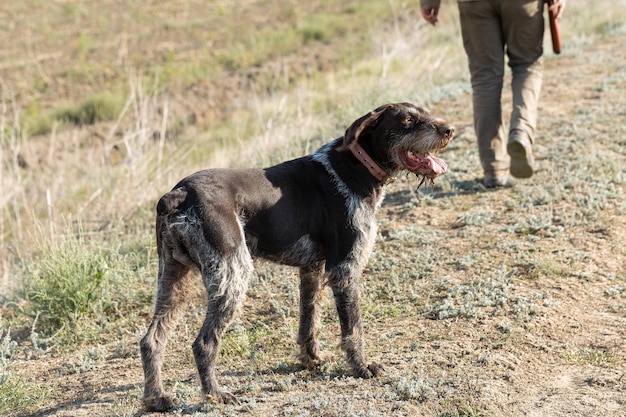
[
  {"x": 101, "y": 107},
  {"x": 321, "y": 28},
  {"x": 19, "y": 395},
  {"x": 78, "y": 288},
  {"x": 16, "y": 392},
  {"x": 69, "y": 282}
]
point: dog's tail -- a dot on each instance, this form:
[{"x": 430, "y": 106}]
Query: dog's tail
[
  {"x": 167, "y": 207},
  {"x": 171, "y": 201}
]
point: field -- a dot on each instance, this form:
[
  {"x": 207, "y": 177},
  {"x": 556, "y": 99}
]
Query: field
[{"x": 477, "y": 302}]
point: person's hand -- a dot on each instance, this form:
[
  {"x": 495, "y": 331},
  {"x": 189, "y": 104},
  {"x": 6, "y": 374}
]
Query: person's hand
[
  {"x": 556, "y": 7},
  {"x": 430, "y": 15}
]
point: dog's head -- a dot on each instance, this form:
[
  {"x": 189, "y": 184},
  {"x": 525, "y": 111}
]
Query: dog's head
[{"x": 402, "y": 136}]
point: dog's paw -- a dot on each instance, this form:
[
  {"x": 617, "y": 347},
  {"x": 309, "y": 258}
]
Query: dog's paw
[
  {"x": 222, "y": 397},
  {"x": 376, "y": 369},
  {"x": 161, "y": 402},
  {"x": 313, "y": 361},
  {"x": 371, "y": 371}
]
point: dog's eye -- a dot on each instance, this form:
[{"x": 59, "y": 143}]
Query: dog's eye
[{"x": 408, "y": 120}]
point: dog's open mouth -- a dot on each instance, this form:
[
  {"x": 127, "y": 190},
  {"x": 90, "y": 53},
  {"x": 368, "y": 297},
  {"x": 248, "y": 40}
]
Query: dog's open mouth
[{"x": 425, "y": 164}]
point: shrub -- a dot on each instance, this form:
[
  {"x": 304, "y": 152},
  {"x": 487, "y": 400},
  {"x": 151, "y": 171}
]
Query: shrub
[
  {"x": 67, "y": 281},
  {"x": 415, "y": 389},
  {"x": 78, "y": 286},
  {"x": 100, "y": 107}
]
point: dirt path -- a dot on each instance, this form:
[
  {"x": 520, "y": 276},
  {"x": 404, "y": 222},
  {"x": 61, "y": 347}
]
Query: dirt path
[{"x": 539, "y": 269}]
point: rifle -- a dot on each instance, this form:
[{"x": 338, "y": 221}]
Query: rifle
[{"x": 554, "y": 29}]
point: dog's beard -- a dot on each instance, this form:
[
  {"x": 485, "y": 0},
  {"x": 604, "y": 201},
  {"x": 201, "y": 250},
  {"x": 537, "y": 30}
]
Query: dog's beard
[{"x": 428, "y": 179}]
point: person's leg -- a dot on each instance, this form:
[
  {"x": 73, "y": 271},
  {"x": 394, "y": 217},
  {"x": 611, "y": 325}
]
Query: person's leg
[
  {"x": 523, "y": 27},
  {"x": 484, "y": 45}
]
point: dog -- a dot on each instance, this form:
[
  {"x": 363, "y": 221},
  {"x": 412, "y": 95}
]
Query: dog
[{"x": 316, "y": 213}]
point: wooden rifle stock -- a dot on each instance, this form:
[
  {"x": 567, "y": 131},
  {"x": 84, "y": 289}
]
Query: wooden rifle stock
[{"x": 554, "y": 30}]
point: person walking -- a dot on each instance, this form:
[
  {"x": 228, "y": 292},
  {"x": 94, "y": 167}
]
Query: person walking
[{"x": 492, "y": 29}]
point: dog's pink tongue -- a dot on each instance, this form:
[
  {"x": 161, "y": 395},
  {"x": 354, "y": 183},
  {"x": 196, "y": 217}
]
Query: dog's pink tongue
[
  {"x": 425, "y": 164},
  {"x": 435, "y": 165}
]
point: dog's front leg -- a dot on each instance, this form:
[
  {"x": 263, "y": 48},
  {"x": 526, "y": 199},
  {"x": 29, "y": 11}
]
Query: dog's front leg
[{"x": 346, "y": 293}]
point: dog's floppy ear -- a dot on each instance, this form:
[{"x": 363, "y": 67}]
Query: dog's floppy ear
[{"x": 356, "y": 128}]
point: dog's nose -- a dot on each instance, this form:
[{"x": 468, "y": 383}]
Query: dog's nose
[{"x": 447, "y": 131}]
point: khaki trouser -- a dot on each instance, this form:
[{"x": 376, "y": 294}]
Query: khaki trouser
[{"x": 491, "y": 28}]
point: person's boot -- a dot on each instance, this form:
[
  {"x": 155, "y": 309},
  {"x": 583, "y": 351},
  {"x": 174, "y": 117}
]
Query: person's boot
[
  {"x": 520, "y": 150},
  {"x": 496, "y": 179}
]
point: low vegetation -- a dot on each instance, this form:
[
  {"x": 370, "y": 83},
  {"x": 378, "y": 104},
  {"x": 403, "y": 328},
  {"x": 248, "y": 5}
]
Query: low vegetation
[{"x": 477, "y": 303}]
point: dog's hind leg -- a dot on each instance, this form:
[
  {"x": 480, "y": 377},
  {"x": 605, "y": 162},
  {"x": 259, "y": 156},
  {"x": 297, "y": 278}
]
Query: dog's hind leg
[
  {"x": 312, "y": 284},
  {"x": 172, "y": 282},
  {"x": 226, "y": 279}
]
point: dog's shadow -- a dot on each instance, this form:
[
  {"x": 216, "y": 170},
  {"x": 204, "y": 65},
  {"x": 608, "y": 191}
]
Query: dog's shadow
[
  {"x": 331, "y": 369},
  {"x": 455, "y": 188}
]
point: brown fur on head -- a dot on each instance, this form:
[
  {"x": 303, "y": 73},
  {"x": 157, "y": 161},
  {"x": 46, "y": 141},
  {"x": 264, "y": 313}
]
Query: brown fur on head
[
  {"x": 358, "y": 126},
  {"x": 402, "y": 136}
]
